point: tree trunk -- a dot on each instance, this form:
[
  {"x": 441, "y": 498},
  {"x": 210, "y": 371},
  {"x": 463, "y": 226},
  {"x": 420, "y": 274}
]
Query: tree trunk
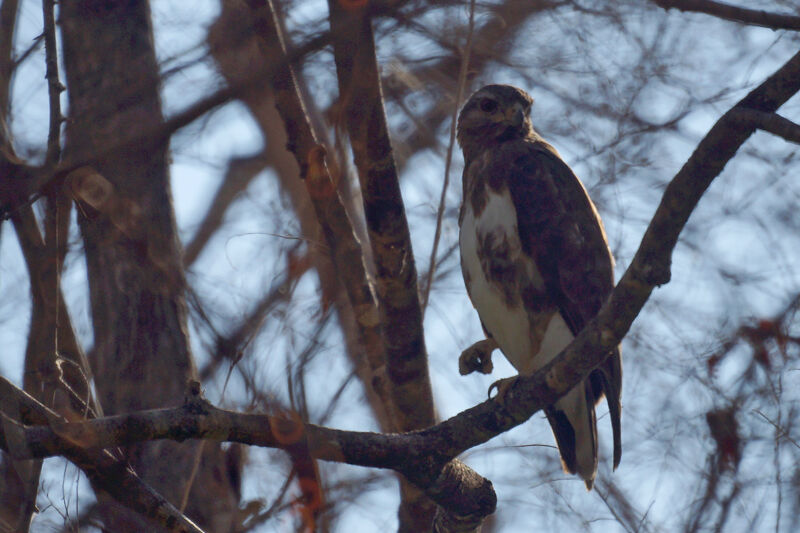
[{"x": 141, "y": 356}]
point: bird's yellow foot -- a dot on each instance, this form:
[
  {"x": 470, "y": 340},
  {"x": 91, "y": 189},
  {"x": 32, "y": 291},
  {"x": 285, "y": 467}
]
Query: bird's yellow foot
[
  {"x": 502, "y": 386},
  {"x": 477, "y": 357}
]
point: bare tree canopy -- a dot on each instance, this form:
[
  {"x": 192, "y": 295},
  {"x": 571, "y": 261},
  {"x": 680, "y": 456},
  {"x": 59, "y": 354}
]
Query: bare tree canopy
[{"x": 230, "y": 274}]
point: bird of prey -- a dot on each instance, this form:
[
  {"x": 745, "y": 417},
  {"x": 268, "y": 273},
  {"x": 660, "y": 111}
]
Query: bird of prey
[{"x": 535, "y": 261}]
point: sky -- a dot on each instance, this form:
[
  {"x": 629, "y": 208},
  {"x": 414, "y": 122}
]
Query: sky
[{"x": 243, "y": 259}]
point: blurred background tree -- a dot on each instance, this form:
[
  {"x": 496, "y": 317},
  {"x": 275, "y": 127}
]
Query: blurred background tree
[{"x": 195, "y": 251}]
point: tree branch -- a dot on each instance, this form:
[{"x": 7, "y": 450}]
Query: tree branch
[
  {"x": 360, "y": 108},
  {"x": 101, "y": 467},
  {"x": 770, "y": 122},
  {"x": 409, "y": 454},
  {"x": 754, "y": 17},
  {"x": 54, "y": 86},
  {"x": 346, "y": 252}
]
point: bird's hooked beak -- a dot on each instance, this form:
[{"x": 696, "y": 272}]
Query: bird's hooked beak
[{"x": 515, "y": 116}]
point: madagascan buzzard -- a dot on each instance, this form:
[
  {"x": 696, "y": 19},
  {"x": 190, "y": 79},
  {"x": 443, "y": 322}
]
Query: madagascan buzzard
[{"x": 535, "y": 262}]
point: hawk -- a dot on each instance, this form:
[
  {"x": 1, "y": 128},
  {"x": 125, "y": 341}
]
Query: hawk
[{"x": 536, "y": 263}]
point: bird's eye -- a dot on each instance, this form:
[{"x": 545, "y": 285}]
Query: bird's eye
[{"x": 488, "y": 105}]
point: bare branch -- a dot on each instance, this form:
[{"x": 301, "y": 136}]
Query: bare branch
[
  {"x": 101, "y": 467},
  {"x": 755, "y": 17},
  {"x": 238, "y": 176},
  {"x": 415, "y": 455},
  {"x": 337, "y": 228},
  {"x": 54, "y": 86},
  {"x": 770, "y": 122},
  {"x": 8, "y": 22},
  {"x": 462, "y": 82},
  {"x": 360, "y": 107}
]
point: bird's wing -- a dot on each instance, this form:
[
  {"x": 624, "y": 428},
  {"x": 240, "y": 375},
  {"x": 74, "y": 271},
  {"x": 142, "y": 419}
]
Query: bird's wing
[{"x": 561, "y": 231}]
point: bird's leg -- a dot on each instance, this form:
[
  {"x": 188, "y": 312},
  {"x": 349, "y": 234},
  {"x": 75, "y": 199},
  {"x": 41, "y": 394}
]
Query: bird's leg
[
  {"x": 502, "y": 386},
  {"x": 477, "y": 357}
]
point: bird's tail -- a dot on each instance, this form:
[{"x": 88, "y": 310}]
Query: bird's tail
[{"x": 575, "y": 428}]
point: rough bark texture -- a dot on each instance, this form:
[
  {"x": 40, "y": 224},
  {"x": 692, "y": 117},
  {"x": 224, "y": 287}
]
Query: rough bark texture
[
  {"x": 8, "y": 22},
  {"x": 19, "y": 480},
  {"x": 320, "y": 211},
  {"x": 360, "y": 107},
  {"x": 141, "y": 355},
  {"x": 407, "y": 402},
  {"x": 105, "y": 471}
]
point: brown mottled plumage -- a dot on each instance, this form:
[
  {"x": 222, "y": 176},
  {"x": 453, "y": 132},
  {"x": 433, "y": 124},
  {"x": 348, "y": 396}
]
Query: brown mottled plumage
[{"x": 535, "y": 260}]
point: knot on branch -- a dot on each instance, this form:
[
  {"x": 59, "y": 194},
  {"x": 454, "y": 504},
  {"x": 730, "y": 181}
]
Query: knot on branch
[
  {"x": 464, "y": 497},
  {"x": 654, "y": 271},
  {"x": 193, "y": 399}
]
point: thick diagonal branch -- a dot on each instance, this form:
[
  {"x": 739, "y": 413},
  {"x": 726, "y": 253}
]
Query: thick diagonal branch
[
  {"x": 337, "y": 229},
  {"x": 755, "y": 17},
  {"x": 360, "y": 108}
]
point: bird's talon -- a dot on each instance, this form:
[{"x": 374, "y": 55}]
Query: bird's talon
[
  {"x": 477, "y": 357},
  {"x": 502, "y": 386},
  {"x": 491, "y": 387}
]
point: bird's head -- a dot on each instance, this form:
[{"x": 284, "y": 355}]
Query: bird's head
[{"x": 495, "y": 113}]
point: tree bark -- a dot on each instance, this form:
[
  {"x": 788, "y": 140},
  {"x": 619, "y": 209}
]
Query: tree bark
[
  {"x": 141, "y": 354},
  {"x": 361, "y": 110}
]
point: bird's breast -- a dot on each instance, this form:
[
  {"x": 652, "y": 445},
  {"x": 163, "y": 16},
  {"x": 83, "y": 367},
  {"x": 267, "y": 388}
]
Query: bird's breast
[
  {"x": 490, "y": 248},
  {"x": 503, "y": 281}
]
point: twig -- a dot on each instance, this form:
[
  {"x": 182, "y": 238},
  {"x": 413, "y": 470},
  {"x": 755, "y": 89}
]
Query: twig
[
  {"x": 462, "y": 81},
  {"x": 779, "y": 430},
  {"x": 54, "y": 86},
  {"x": 101, "y": 467}
]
